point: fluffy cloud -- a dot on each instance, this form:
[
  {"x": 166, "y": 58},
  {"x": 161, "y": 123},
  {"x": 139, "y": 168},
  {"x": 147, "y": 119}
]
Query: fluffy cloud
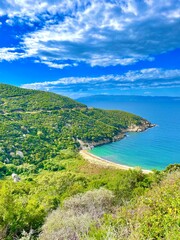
[
  {"x": 99, "y": 33},
  {"x": 141, "y": 79},
  {"x": 10, "y": 54},
  {"x": 35, "y": 10}
]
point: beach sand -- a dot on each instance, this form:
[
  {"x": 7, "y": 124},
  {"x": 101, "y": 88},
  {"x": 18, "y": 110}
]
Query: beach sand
[{"x": 105, "y": 163}]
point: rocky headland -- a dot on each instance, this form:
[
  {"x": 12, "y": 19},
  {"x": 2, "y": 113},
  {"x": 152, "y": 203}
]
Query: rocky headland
[{"x": 132, "y": 128}]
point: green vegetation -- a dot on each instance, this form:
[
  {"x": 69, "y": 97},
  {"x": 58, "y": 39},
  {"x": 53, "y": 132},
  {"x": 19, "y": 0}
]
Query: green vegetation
[
  {"x": 35, "y": 126},
  {"x": 62, "y": 196},
  {"x": 24, "y": 205},
  {"x": 155, "y": 215},
  {"x": 77, "y": 215}
]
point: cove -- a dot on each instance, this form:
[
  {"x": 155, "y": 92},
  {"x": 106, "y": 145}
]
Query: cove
[{"x": 155, "y": 148}]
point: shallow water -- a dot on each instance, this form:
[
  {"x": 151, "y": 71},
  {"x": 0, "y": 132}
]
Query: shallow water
[{"x": 155, "y": 148}]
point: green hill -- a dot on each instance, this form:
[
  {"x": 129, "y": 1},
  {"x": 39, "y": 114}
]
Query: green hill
[
  {"x": 14, "y": 99},
  {"x": 59, "y": 195},
  {"x": 36, "y": 125}
]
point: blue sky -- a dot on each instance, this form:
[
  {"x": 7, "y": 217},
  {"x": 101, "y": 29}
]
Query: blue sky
[{"x": 84, "y": 47}]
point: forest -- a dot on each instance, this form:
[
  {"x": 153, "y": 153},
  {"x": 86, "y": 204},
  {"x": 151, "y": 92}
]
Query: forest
[{"x": 35, "y": 126}]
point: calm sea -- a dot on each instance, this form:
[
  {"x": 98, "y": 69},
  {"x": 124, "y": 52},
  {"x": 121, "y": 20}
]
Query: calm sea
[{"x": 155, "y": 148}]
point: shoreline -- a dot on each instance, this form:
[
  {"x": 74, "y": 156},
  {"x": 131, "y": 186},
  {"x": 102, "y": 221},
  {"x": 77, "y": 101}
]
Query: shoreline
[
  {"x": 106, "y": 163},
  {"x": 133, "y": 128}
]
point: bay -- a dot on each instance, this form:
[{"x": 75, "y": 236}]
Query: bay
[{"x": 155, "y": 148}]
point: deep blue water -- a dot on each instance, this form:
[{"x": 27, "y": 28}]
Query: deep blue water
[{"x": 155, "y": 148}]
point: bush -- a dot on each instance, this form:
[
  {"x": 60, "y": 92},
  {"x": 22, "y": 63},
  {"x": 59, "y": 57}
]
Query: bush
[
  {"x": 172, "y": 168},
  {"x": 74, "y": 219},
  {"x": 156, "y": 215}
]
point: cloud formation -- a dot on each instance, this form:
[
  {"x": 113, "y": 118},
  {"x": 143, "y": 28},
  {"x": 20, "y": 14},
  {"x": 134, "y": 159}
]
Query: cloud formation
[
  {"x": 98, "y": 33},
  {"x": 10, "y": 54},
  {"x": 139, "y": 79}
]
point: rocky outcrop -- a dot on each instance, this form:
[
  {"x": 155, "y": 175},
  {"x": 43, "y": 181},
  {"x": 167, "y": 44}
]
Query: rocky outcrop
[
  {"x": 132, "y": 128},
  {"x": 140, "y": 128},
  {"x": 90, "y": 145}
]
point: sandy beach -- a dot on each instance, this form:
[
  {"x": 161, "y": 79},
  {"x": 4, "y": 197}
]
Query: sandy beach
[{"x": 105, "y": 163}]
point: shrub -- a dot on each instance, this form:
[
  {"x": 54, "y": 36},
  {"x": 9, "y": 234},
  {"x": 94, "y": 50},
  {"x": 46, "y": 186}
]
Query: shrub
[
  {"x": 95, "y": 202},
  {"x": 74, "y": 219},
  {"x": 154, "y": 216}
]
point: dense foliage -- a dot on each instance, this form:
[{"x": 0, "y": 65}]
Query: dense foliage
[
  {"x": 62, "y": 196},
  {"x": 25, "y": 205},
  {"x": 77, "y": 215},
  {"x": 155, "y": 215},
  {"x": 36, "y": 125}
]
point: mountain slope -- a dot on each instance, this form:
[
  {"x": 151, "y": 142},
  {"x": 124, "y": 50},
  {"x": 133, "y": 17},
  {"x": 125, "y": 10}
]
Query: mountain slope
[
  {"x": 33, "y": 142},
  {"x": 36, "y": 125},
  {"x": 14, "y": 99}
]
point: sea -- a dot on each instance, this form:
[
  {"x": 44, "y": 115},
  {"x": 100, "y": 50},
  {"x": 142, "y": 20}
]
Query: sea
[{"x": 154, "y": 148}]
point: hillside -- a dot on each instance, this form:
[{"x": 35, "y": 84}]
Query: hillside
[
  {"x": 155, "y": 215},
  {"x": 14, "y": 99},
  {"x": 36, "y": 125},
  {"x": 58, "y": 194}
]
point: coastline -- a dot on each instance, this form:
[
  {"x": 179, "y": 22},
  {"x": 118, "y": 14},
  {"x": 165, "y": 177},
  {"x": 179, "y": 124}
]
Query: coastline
[
  {"x": 105, "y": 163},
  {"x": 119, "y": 136}
]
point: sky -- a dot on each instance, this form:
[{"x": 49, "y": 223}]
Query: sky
[{"x": 88, "y": 47}]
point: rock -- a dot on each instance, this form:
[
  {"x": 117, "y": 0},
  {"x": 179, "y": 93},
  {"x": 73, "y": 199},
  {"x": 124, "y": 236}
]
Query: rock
[
  {"x": 85, "y": 145},
  {"x": 15, "y": 177},
  {"x": 19, "y": 153},
  {"x": 12, "y": 154},
  {"x": 144, "y": 125}
]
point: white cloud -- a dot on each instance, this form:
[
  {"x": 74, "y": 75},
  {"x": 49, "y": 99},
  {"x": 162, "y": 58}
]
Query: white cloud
[
  {"x": 32, "y": 9},
  {"x": 99, "y": 33},
  {"x": 174, "y": 14},
  {"x": 58, "y": 65},
  {"x": 152, "y": 74},
  {"x": 144, "y": 78},
  {"x": 10, "y": 54},
  {"x": 9, "y": 22}
]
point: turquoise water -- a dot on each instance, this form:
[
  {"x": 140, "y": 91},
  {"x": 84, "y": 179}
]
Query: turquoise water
[{"x": 155, "y": 148}]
